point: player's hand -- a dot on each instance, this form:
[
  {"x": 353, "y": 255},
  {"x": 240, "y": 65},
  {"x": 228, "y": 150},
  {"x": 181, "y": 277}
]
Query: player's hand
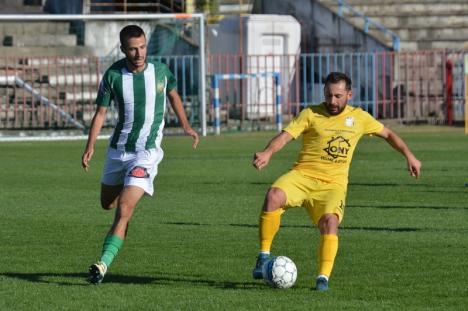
[
  {"x": 87, "y": 155},
  {"x": 414, "y": 167},
  {"x": 189, "y": 131},
  {"x": 261, "y": 159}
]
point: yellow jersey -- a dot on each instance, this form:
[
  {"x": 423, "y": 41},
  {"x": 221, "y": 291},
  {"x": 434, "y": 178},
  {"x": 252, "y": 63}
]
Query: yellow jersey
[{"x": 329, "y": 141}]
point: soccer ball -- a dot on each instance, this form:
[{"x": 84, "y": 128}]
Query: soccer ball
[{"x": 280, "y": 272}]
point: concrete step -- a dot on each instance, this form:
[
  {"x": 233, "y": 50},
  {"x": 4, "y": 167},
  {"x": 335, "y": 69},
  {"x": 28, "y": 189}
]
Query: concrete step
[
  {"x": 430, "y": 45},
  {"x": 40, "y": 40},
  {"x": 20, "y": 7},
  {"x": 5, "y": 93},
  {"x": 400, "y": 2},
  {"x": 425, "y": 39},
  {"x": 33, "y": 27},
  {"x": 74, "y": 79},
  {"x": 414, "y": 22},
  {"x": 412, "y": 9},
  {"x": 436, "y": 34},
  {"x": 41, "y": 51},
  {"x": 54, "y": 61},
  {"x": 6, "y": 80},
  {"x": 359, "y": 24},
  {"x": 78, "y": 96},
  {"x": 235, "y": 6},
  {"x": 420, "y": 24}
]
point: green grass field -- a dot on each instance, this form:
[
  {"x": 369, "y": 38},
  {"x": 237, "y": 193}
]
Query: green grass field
[{"x": 403, "y": 242}]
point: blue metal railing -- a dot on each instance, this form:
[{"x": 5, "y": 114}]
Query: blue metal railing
[
  {"x": 385, "y": 84},
  {"x": 360, "y": 67},
  {"x": 369, "y": 22}
]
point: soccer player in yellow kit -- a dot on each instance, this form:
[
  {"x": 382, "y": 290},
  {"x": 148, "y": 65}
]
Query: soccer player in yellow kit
[{"x": 318, "y": 180}]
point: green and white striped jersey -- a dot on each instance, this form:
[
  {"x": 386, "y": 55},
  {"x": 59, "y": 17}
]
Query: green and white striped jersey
[{"x": 141, "y": 102}]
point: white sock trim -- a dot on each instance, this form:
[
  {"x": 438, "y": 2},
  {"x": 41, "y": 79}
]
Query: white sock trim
[
  {"x": 323, "y": 276},
  {"x": 103, "y": 265}
]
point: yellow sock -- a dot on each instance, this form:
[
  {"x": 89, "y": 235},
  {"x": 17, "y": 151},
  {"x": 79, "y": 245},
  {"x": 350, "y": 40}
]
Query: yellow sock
[
  {"x": 269, "y": 226},
  {"x": 326, "y": 253}
]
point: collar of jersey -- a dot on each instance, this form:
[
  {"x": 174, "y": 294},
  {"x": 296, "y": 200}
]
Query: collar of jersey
[
  {"x": 136, "y": 73},
  {"x": 328, "y": 115}
]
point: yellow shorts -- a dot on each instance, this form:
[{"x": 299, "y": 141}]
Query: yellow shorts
[{"x": 316, "y": 196}]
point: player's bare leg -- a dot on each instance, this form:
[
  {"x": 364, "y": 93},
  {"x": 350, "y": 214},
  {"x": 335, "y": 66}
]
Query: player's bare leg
[
  {"x": 127, "y": 201},
  {"x": 269, "y": 224},
  {"x": 110, "y": 196},
  {"x": 328, "y": 226}
]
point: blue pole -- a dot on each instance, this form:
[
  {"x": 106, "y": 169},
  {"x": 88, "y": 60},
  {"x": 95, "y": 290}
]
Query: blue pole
[
  {"x": 217, "y": 122},
  {"x": 304, "y": 79},
  {"x": 366, "y": 80},
  {"x": 374, "y": 87},
  {"x": 312, "y": 79},
  {"x": 320, "y": 77},
  {"x": 279, "y": 121}
]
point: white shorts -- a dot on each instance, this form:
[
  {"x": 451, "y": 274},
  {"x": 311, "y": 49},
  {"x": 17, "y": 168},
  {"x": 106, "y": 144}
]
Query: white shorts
[{"x": 132, "y": 168}]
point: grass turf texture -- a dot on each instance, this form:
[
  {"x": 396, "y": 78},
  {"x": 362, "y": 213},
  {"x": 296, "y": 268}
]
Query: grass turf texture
[{"x": 192, "y": 247}]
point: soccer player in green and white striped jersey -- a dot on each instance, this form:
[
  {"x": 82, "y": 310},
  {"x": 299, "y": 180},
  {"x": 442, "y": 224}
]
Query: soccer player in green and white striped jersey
[{"x": 139, "y": 89}]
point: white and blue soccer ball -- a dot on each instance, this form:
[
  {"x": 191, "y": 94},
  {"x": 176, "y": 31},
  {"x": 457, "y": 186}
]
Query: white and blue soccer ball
[{"x": 280, "y": 272}]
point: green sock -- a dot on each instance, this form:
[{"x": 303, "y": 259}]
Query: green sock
[{"x": 111, "y": 247}]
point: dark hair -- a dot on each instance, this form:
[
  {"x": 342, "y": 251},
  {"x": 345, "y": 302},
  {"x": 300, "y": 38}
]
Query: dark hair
[
  {"x": 130, "y": 31},
  {"x": 335, "y": 77}
]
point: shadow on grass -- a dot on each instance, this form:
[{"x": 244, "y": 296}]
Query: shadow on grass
[
  {"x": 376, "y": 184},
  {"x": 232, "y": 182},
  {"x": 409, "y": 207},
  {"x": 49, "y": 278},
  {"x": 389, "y": 229},
  {"x": 165, "y": 279},
  {"x": 180, "y": 223},
  {"x": 445, "y": 190},
  {"x": 404, "y": 229},
  {"x": 79, "y": 279}
]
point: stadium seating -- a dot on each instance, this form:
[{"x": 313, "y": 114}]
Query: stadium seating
[{"x": 421, "y": 24}]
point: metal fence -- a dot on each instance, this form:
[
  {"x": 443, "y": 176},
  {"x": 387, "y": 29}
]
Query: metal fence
[{"x": 411, "y": 87}]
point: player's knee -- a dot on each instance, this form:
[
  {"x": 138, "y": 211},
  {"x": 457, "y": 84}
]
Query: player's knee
[
  {"x": 275, "y": 199},
  {"x": 107, "y": 205},
  {"x": 125, "y": 211},
  {"x": 328, "y": 224}
]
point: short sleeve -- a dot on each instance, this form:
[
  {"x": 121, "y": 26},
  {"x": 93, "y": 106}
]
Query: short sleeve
[
  {"x": 171, "y": 81},
  {"x": 371, "y": 125},
  {"x": 104, "y": 96},
  {"x": 299, "y": 124}
]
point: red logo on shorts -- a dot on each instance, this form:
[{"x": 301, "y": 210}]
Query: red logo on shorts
[{"x": 138, "y": 172}]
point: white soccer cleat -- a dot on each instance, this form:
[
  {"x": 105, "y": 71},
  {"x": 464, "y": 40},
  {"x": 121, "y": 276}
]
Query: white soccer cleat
[{"x": 97, "y": 272}]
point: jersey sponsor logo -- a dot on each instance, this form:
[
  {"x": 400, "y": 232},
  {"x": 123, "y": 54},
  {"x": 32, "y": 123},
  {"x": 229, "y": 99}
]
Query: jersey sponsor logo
[
  {"x": 160, "y": 87},
  {"x": 138, "y": 172},
  {"x": 349, "y": 121},
  {"x": 338, "y": 147}
]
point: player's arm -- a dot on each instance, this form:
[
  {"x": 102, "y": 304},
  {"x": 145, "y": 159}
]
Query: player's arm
[
  {"x": 414, "y": 165},
  {"x": 262, "y": 158},
  {"x": 176, "y": 104},
  {"x": 96, "y": 125}
]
